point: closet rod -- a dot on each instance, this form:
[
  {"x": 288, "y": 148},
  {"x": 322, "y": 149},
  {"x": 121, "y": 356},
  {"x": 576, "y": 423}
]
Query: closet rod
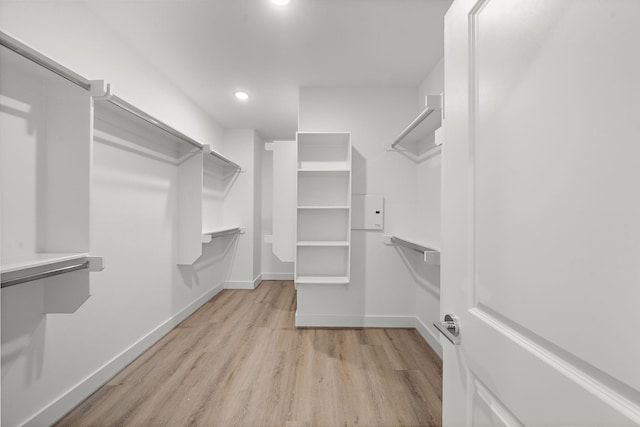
[
  {"x": 38, "y": 58},
  {"x": 44, "y": 275},
  {"x": 407, "y": 244},
  {"x": 224, "y": 159},
  {"x": 427, "y": 111},
  {"x": 224, "y": 232},
  {"x": 121, "y": 103}
]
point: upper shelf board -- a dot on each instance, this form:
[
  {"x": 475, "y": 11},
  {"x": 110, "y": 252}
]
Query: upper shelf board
[{"x": 426, "y": 123}]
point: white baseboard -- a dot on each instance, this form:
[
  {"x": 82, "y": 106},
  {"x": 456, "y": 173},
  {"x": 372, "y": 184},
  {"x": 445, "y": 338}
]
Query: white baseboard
[
  {"x": 277, "y": 276},
  {"x": 339, "y": 321},
  {"x": 243, "y": 284},
  {"x": 429, "y": 336},
  {"x": 59, "y": 407}
]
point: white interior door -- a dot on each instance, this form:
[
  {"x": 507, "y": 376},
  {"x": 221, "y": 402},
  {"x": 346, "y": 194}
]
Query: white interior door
[{"x": 541, "y": 212}]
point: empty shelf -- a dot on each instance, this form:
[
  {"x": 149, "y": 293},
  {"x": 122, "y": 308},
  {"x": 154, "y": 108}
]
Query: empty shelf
[
  {"x": 38, "y": 260},
  {"x": 222, "y": 159},
  {"x": 328, "y": 169},
  {"x": 433, "y": 104},
  {"x": 332, "y": 280},
  {"x": 431, "y": 256},
  {"x": 209, "y": 235},
  {"x": 324, "y": 207},
  {"x": 323, "y": 243},
  {"x": 33, "y": 267}
]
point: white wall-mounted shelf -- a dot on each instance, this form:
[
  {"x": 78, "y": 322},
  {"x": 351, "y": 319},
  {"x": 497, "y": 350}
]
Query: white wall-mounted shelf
[
  {"x": 323, "y": 232},
  {"x": 430, "y": 255},
  {"x": 203, "y": 184},
  {"x": 38, "y": 260},
  {"x": 45, "y": 265},
  {"x": 209, "y": 235},
  {"x": 323, "y": 243},
  {"x": 45, "y": 150},
  {"x": 116, "y": 101},
  {"x": 427, "y": 122},
  {"x": 328, "y": 207},
  {"x": 321, "y": 280},
  {"x": 320, "y": 170}
]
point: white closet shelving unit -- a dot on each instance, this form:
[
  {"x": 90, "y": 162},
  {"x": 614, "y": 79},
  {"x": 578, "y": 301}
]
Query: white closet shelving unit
[
  {"x": 429, "y": 121},
  {"x": 323, "y": 237},
  {"x": 204, "y": 177},
  {"x": 45, "y": 152},
  {"x": 203, "y": 182}
]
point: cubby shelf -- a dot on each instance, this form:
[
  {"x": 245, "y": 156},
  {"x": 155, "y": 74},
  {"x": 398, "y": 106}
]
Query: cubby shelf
[
  {"x": 323, "y": 243},
  {"x": 319, "y": 207},
  {"x": 326, "y": 170},
  {"x": 323, "y": 236},
  {"x": 318, "y": 280}
]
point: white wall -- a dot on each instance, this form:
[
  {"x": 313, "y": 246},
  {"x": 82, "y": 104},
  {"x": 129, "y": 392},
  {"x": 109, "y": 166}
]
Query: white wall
[
  {"x": 429, "y": 204},
  {"x": 53, "y": 361},
  {"x": 71, "y": 34},
  {"x": 272, "y": 267},
  {"x": 258, "y": 148},
  {"x": 382, "y": 288},
  {"x": 240, "y": 206}
]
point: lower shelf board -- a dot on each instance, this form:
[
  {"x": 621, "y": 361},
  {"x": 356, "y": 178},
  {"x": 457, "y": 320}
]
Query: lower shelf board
[{"x": 318, "y": 280}]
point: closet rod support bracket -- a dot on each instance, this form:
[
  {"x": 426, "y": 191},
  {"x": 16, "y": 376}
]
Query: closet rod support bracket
[{"x": 100, "y": 90}]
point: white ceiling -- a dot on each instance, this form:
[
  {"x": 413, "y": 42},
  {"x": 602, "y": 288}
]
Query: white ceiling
[{"x": 211, "y": 48}]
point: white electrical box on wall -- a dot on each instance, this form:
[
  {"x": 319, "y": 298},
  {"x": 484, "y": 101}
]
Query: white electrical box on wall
[{"x": 367, "y": 212}]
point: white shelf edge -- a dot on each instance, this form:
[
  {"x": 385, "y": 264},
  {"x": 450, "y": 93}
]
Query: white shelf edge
[
  {"x": 323, "y": 243},
  {"x": 319, "y": 170},
  {"x": 433, "y": 104},
  {"x": 208, "y": 150},
  {"x": 58, "y": 263},
  {"x": 325, "y": 207},
  {"x": 209, "y": 235},
  {"x": 40, "y": 260},
  {"x": 430, "y": 255},
  {"x": 320, "y": 280}
]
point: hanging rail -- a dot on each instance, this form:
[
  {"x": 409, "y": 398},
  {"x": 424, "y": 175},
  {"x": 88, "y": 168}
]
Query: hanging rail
[
  {"x": 224, "y": 159},
  {"x": 124, "y": 105},
  {"x": 431, "y": 256},
  {"x": 44, "y": 275},
  {"x": 32, "y": 55},
  {"x": 207, "y": 237},
  {"x": 433, "y": 102},
  {"x": 218, "y": 233}
]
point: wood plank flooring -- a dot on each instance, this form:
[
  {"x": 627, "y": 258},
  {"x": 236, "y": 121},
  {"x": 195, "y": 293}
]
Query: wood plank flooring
[{"x": 239, "y": 361}]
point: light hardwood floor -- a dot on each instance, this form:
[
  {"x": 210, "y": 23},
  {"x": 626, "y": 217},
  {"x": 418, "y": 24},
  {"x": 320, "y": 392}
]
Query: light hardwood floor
[{"x": 239, "y": 361}]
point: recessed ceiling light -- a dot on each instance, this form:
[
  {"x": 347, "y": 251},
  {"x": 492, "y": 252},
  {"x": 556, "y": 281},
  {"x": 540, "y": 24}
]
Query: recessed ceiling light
[
  {"x": 242, "y": 96},
  {"x": 280, "y": 2}
]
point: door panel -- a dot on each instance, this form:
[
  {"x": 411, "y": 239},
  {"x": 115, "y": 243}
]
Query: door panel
[
  {"x": 564, "y": 228},
  {"x": 541, "y": 211}
]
